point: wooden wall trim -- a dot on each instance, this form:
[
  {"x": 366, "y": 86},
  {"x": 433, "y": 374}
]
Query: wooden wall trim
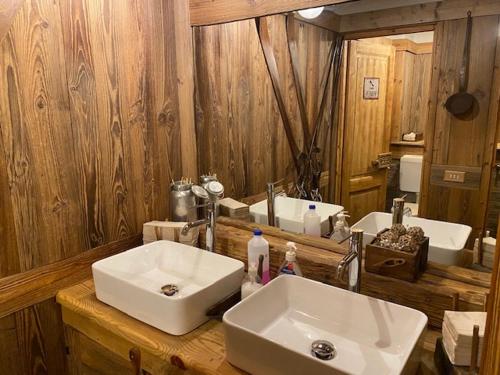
[
  {"x": 417, "y": 14},
  {"x": 25, "y": 289},
  {"x": 490, "y": 145},
  {"x": 212, "y": 12},
  {"x": 490, "y": 358},
  {"x": 389, "y": 31},
  {"x": 411, "y": 46},
  {"x": 8, "y": 11}
]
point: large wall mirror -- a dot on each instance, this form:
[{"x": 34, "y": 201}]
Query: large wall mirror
[{"x": 376, "y": 107}]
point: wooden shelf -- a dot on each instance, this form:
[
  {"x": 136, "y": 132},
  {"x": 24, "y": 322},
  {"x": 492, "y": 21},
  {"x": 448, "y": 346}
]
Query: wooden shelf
[{"x": 408, "y": 143}]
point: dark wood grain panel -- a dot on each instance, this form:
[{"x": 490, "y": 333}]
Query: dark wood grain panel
[
  {"x": 38, "y": 150},
  {"x": 90, "y": 126}
]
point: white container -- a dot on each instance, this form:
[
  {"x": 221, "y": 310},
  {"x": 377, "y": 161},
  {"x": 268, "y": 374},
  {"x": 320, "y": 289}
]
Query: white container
[
  {"x": 312, "y": 222},
  {"x": 258, "y": 246},
  {"x": 410, "y": 173}
]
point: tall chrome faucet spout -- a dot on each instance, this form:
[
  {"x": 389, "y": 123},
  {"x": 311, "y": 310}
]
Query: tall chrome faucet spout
[
  {"x": 352, "y": 262},
  {"x": 211, "y": 193}
]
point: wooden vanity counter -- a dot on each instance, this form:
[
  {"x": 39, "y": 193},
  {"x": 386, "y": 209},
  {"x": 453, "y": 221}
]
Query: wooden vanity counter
[{"x": 99, "y": 338}]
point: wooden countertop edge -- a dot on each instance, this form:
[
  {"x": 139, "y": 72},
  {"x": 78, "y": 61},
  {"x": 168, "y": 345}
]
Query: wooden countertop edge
[{"x": 201, "y": 351}]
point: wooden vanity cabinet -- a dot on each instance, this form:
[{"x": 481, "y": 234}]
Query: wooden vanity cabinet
[{"x": 86, "y": 356}]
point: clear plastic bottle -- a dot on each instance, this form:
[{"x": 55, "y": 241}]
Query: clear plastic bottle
[
  {"x": 312, "y": 222},
  {"x": 250, "y": 282},
  {"x": 290, "y": 265},
  {"x": 259, "y": 246}
]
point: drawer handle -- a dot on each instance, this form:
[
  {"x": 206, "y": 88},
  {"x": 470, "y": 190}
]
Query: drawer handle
[{"x": 134, "y": 355}]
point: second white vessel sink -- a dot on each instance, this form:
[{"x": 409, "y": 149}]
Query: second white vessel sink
[
  {"x": 132, "y": 282},
  {"x": 290, "y": 212},
  {"x": 446, "y": 240},
  {"x": 272, "y": 331}
]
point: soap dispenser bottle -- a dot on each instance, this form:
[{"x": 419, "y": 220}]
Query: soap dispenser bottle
[
  {"x": 312, "y": 222},
  {"x": 290, "y": 265},
  {"x": 250, "y": 282},
  {"x": 341, "y": 230}
]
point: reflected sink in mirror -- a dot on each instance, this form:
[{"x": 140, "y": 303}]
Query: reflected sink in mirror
[
  {"x": 132, "y": 282},
  {"x": 290, "y": 212},
  {"x": 273, "y": 330},
  {"x": 446, "y": 240}
]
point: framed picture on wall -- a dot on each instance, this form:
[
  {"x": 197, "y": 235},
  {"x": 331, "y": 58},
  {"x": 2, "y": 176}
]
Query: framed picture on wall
[{"x": 371, "y": 88}]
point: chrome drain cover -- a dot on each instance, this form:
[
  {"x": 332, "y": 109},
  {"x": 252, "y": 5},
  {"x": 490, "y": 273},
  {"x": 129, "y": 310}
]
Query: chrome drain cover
[
  {"x": 169, "y": 289},
  {"x": 323, "y": 350}
]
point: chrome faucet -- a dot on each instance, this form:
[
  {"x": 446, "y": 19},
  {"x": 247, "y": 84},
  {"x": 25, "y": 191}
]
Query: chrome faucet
[
  {"x": 271, "y": 197},
  {"x": 352, "y": 261},
  {"x": 399, "y": 210},
  {"x": 211, "y": 193}
]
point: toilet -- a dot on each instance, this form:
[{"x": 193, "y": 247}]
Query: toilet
[{"x": 410, "y": 173}]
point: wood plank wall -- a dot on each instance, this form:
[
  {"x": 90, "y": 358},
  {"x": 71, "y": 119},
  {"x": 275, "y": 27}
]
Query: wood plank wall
[
  {"x": 239, "y": 129},
  {"x": 89, "y": 140},
  {"x": 460, "y": 144},
  {"x": 412, "y": 76}
]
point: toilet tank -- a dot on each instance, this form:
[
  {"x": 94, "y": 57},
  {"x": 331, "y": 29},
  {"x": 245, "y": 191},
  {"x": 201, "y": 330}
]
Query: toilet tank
[{"x": 410, "y": 172}]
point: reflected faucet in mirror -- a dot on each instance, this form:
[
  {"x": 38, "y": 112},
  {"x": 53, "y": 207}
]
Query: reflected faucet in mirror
[
  {"x": 271, "y": 197},
  {"x": 399, "y": 210}
]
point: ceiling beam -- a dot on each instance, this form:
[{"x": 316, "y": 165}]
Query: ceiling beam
[
  {"x": 8, "y": 11},
  {"x": 209, "y": 12},
  {"x": 417, "y": 14}
]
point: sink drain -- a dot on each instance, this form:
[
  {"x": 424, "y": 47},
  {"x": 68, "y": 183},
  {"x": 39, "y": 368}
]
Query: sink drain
[
  {"x": 323, "y": 350},
  {"x": 169, "y": 290}
]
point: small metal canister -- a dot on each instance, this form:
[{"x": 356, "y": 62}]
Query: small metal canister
[{"x": 182, "y": 202}]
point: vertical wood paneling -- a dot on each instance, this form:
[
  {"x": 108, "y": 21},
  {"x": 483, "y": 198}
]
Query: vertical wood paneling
[
  {"x": 453, "y": 141},
  {"x": 239, "y": 129},
  {"x": 90, "y": 126},
  {"x": 37, "y": 139}
]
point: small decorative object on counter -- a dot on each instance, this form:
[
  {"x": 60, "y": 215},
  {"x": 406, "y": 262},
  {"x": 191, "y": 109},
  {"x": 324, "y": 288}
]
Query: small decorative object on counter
[
  {"x": 312, "y": 222},
  {"x": 398, "y": 252},
  {"x": 258, "y": 246},
  {"x": 290, "y": 265},
  {"x": 182, "y": 201},
  {"x": 232, "y": 208},
  {"x": 250, "y": 282}
]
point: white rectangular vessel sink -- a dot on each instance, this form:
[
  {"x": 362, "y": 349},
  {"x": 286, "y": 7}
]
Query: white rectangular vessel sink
[
  {"x": 289, "y": 213},
  {"x": 446, "y": 240},
  {"x": 272, "y": 331},
  {"x": 132, "y": 282}
]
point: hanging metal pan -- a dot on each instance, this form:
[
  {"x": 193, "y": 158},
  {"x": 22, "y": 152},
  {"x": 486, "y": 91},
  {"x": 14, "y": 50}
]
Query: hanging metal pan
[{"x": 462, "y": 102}]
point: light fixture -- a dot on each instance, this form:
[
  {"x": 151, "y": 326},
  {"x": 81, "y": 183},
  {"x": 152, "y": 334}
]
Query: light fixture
[{"x": 311, "y": 12}]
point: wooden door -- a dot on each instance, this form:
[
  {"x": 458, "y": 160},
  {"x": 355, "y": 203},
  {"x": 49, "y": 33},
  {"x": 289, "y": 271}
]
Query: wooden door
[{"x": 366, "y": 125}]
